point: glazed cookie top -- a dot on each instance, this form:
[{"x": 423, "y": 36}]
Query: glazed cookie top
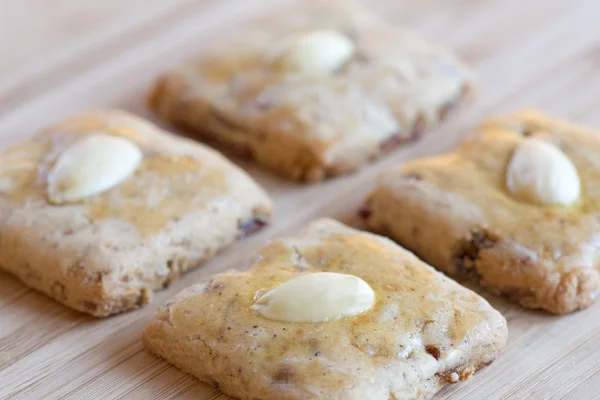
[
  {"x": 110, "y": 165},
  {"x": 399, "y": 318},
  {"x": 529, "y": 179},
  {"x": 330, "y": 72}
]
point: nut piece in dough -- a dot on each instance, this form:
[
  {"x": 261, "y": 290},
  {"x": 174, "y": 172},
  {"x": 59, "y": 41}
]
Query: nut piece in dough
[
  {"x": 320, "y": 51},
  {"x": 317, "y": 297},
  {"x": 90, "y": 166},
  {"x": 541, "y": 173}
]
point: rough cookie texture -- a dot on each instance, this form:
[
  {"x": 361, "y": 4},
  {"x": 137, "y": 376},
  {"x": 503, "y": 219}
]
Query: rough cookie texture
[
  {"x": 309, "y": 125},
  {"x": 456, "y": 212},
  {"x": 108, "y": 252},
  {"x": 423, "y": 332}
]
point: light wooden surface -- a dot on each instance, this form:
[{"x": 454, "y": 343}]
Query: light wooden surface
[{"x": 62, "y": 56}]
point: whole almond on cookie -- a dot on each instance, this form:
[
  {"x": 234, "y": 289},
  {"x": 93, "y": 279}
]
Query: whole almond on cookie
[
  {"x": 317, "y": 297},
  {"x": 91, "y": 166},
  {"x": 319, "y": 51},
  {"x": 541, "y": 173}
]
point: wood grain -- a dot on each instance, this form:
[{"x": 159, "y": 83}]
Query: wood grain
[{"x": 62, "y": 57}]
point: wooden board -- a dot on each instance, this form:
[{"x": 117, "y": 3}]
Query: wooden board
[{"x": 62, "y": 56}]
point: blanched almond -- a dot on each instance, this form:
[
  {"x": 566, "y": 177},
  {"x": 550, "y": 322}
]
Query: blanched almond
[
  {"x": 317, "y": 297},
  {"x": 541, "y": 173},
  {"x": 90, "y": 166},
  {"x": 320, "y": 51}
]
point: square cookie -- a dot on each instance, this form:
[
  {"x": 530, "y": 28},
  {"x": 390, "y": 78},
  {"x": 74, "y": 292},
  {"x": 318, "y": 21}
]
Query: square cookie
[
  {"x": 332, "y": 313},
  {"x": 514, "y": 208},
  {"x": 314, "y": 91},
  {"x": 104, "y": 208}
]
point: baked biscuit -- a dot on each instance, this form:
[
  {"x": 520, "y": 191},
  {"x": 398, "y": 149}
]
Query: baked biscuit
[
  {"x": 301, "y": 323},
  {"x": 514, "y": 208},
  {"x": 104, "y": 208},
  {"x": 314, "y": 91}
]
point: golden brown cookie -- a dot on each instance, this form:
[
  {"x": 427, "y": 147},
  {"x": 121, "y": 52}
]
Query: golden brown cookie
[
  {"x": 332, "y": 313},
  {"x": 514, "y": 207},
  {"x": 104, "y": 208},
  {"x": 314, "y": 91}
]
